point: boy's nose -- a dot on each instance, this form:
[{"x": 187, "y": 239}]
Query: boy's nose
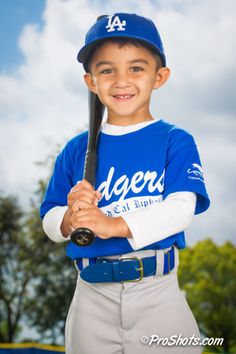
[{"x": 122, "y": 80}]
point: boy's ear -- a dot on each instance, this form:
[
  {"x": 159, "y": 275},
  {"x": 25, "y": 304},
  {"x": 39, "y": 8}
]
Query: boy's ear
[
  {"x": 90, "y": 82},
  {"x": 162, "y": 76}
]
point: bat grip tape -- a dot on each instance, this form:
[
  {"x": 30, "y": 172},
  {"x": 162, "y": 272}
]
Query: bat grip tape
[{"x": 90, "y": 167}]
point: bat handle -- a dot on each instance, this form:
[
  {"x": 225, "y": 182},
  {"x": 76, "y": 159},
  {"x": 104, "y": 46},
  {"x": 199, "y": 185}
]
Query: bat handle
[{"x": 82, "y": 236}]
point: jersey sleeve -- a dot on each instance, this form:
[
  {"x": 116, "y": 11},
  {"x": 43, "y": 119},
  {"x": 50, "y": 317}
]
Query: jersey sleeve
[
  {"x": 60, "y": 183},
  {"x": 184, "y": 170}
]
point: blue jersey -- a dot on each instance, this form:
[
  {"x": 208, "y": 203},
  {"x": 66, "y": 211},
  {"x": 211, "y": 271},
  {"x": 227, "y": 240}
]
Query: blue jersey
[{"x": 134, "y": 171}]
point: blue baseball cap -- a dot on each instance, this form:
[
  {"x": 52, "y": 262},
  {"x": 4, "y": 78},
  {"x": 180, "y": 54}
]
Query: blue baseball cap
[{"x": 122, "y": 25}]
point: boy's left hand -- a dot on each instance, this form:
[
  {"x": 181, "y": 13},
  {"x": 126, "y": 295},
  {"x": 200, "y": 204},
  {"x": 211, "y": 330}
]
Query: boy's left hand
[{"x": 90, "y": 216}]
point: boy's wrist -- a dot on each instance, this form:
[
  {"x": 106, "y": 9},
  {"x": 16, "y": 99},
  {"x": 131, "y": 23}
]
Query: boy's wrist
[
  {"x": 65, "y": 225},
  {"x": 120, "y": 228}
]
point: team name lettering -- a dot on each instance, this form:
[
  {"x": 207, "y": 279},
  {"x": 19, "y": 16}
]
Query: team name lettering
[{"x": 136, "y": 184}]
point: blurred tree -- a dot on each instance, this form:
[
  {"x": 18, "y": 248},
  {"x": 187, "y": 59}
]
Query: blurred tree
[
  {"x": 13, "y": 280},
  {"x": 53, "y": 285},
  {"x": 36, "y": 279},
  {"x": 207, "y": 274},
  {"x": 54, "y": 281}
]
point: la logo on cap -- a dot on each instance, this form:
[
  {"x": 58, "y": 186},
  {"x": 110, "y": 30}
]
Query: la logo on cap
[{"x": 115, "y": 24}]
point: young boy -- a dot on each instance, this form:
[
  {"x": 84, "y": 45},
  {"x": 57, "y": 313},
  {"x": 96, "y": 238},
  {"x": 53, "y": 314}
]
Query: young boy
[{"x": 149, "y": 184}]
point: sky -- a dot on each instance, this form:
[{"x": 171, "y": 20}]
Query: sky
[
  {"x": 13, "y": 16},
  {"x": 43, "y": 100}
]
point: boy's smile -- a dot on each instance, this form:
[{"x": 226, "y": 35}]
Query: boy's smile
[{"x": 124, "y": 77}]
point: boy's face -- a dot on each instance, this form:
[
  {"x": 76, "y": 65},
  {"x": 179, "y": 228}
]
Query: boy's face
[{"x": 123, "y": 78}]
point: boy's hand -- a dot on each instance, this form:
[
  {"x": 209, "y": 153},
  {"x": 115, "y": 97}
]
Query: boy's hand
[
  {"x": 82, "y": 191},
  {"x": 84, "y": 214}
]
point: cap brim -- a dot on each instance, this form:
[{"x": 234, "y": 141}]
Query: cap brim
[{"x": 85, "y": 51}]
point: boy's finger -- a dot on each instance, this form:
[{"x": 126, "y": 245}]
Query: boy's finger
[
  {"x": 79, "y": 205},
  {"x": 84, "y": 195},
  {"x": 85, "y": 184},
  {"x": 82, "y": 186},
  {"x": 98, "y": 195},
  {"x": 84, "y": 205}
]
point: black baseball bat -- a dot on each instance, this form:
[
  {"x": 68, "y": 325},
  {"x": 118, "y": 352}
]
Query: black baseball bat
[{"x": 83, "y": 236}]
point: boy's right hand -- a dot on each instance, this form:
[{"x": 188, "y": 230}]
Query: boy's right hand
[{"x": 83, "y": 191}]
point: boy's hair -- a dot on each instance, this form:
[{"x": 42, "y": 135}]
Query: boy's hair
[
  {"x": 121, "y": 41},
  {"x": 131, "y": 28}
]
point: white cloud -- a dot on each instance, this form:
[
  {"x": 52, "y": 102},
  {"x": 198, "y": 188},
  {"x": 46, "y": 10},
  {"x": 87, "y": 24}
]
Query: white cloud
[{"x": 44, "y": 102}]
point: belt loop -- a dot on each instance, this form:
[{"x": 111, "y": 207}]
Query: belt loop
[
  {"x": 169, "y": 260},
  {"x": 85, "y": 262},
  {"x": 76, "y": 265},
  {"x": 159, "y": 263},
  {"x": 176, "y": 257},
  {"x": 82, "y": 263}
]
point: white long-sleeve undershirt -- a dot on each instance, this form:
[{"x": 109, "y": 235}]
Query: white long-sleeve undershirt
[{"x": 161, "y": 220}]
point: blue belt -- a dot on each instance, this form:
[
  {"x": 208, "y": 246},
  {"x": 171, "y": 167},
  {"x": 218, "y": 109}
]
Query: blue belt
[{"x": 126, "y": 269}]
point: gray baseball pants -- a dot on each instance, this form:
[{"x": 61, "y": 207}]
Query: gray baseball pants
[{"x": 115, "y": 318}]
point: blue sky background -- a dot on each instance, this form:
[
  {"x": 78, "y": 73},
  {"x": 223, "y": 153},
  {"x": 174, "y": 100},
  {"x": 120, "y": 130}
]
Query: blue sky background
[
  {"x": 43, "y": 100},
  {"x": 14, "y": 14}
]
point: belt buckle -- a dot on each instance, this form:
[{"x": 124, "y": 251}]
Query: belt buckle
[{"x": 140, "y": 269}]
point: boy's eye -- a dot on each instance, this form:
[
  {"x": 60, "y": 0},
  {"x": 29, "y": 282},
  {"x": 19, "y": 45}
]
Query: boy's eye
[
  {"x": 136, "y": 69},
  {"x": 106, "y": 71}
]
